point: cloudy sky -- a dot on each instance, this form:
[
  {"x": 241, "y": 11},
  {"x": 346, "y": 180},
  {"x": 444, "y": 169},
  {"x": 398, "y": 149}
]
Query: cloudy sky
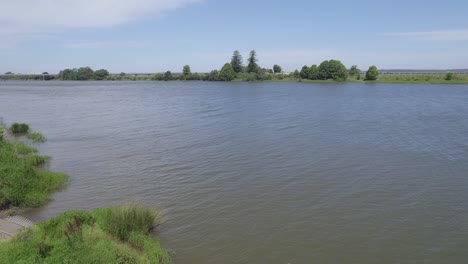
[{"x": 160, "y": 35}]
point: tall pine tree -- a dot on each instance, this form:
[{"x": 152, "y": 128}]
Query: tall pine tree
[
  {"x": 236, "y": 61},
  {"x": 252, "y": 66}
]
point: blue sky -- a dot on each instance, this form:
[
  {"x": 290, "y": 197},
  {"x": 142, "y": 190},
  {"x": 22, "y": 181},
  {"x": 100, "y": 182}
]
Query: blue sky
[{"x": 160, "y": 35}]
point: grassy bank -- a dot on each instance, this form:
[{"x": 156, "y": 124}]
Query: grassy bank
[
  {"x": 108, "y": 235},
  {"x": 23, "y": 182}
]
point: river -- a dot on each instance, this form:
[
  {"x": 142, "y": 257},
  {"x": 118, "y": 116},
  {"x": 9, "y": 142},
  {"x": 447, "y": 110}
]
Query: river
[{"x": 264, "y": 172}]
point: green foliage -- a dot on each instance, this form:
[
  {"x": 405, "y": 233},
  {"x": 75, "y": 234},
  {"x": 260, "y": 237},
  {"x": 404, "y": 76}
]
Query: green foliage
[
  {"x": 332, "y": 69},
  {"x": 354, "y": 71},
  {"x": 101, "y": 74},
  {"x": 22, "y": 184},
  {"x": 372, "y": 73},
  {"x": 449, "y": 76},
  {"x": 84, "y": 73},
  {"x": 186, "y": 71},
  {"x": 261, "y": 74},
  {"x": 297, "y": 74},
  {"x": 213, "y": 76},
  {"x": 121, "y": 222},
  {"x": 304, "y": 74},
  {"x": 236, "y": 61},
  {"x": 17, "y": 128},
  {"x": 84, "y": 237},
  {"x": 277, "y": 68},
  {"x": 68, "y": 74},
  {"x": 167, "y": 76},
  {"x": 1, "y": 133},
  {"x": 313, "y": 73},
  {"x": 252, "y": 66},
  {"x": 36, "y": 137},
  {"x": 227, "y": 73}
]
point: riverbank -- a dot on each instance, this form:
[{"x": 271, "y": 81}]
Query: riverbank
[
  {"x": 25, "y": 183},
  {"x": 105, "y": 235}
]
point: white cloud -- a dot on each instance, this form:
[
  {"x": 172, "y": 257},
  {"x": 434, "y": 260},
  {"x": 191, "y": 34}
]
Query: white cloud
[
  {"x": 447, "y": 35},
  {"x": 32, "y": 17}
]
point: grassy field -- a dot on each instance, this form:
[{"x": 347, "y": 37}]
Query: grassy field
[
  {"x": 423, "y": 78},
  {"x": 107, "y": 235}
]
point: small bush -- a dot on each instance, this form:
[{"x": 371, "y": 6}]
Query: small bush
[
  {"x": 17, "y": 128},
  {"x": 123, "y": 221},
  {"x": 36, "y": 137},
  {"x": 449, "y": 76}
]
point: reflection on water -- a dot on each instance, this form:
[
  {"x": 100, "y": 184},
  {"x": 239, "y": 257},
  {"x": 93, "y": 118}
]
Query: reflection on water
[{"x": 265, "y": 172}]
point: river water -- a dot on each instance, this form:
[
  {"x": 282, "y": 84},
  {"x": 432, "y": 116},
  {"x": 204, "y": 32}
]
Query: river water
[{"x": 264, "y": 172}]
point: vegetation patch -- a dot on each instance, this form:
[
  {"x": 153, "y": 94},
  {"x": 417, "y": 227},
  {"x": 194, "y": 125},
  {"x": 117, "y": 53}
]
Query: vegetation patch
[
  {"x": 18, "y": 128},
  {"x": 23, "y": 183},
  {"x": 89, "y": 237},
  {"x": 36, "y": 137}
]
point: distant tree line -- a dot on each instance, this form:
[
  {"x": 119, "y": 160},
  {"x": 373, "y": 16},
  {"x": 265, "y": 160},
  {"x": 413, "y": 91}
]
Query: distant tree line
[
  {"x": 83, "y": 74},
  {"x": 236, "y": 70},
  {"x": 233, "y": 70}
]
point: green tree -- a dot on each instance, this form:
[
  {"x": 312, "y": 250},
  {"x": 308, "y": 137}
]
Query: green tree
[
  {"x": 354, "y": 71},
  {"x": 84, "y": 73},
  {"x": 236, "y": 61},
  {"x": 227, "y": 73},
  {"x": 323, "y": 70},
  {"x": 337, "y": 70},
  {"x": 186, "y": 71},
  {"x": 304, "y": 72},
  {"x": 68, "y": 74},
  {"x": 313, "y": 72},
  {"x": 332, "y": 69},
  {"x": 372, "y": 73},
  {"x": 252, "y": 66},
  {"x": 213, "y": 75},
  {"x": 101, "y": 74},
  {"x": 449, "y": 76},
  {"x": 277, "y": 68},
  {"x": 297, "y": 74},
  {"x": 167, "y": 76}
]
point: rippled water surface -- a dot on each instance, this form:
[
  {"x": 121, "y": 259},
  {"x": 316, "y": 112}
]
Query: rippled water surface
[{"x": 265, "y": 172}]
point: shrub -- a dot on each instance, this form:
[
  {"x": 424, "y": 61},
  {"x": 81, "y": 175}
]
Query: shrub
[
  {"x": 372, "y": 74},
  {"x": 17, "y": 128},
  {"x": 449, "y": 76},
  {"x": 123, "y": 221}
]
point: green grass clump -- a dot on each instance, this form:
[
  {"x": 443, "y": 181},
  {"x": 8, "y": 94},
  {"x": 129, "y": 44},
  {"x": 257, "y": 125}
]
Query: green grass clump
[
  {"x": 17, "y": 128},
  {"x": 123, "y": 221},
  {"x": 81, "y": 237},
  {"x": 36, "y": 137},
  {"x": 22, "y": 183}
]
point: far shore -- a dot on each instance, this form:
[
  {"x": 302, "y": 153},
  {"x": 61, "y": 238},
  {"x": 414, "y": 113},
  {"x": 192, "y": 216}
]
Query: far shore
[{"x": 394, "y": 79}]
